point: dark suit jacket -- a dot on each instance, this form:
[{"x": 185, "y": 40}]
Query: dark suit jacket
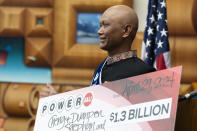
[{"x": 125, "y": 68}]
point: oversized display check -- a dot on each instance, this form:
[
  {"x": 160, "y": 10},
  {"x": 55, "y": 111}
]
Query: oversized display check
[{"x": 142, "y": 103}]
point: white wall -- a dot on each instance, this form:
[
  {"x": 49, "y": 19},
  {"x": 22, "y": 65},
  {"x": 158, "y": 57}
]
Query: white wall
[{"x": 141, "y": 8}]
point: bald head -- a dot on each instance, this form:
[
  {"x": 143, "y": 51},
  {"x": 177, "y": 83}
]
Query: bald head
[
  {"x": 118, "y": 27},
  {"x": 123, "y": 13}
]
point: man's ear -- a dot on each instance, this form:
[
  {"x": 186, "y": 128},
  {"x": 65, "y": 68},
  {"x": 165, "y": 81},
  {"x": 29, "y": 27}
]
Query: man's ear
[{"x": 127, "y": 30}]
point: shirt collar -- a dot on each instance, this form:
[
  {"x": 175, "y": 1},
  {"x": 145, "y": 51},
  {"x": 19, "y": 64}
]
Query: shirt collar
[{"x": 121, "y": 56}]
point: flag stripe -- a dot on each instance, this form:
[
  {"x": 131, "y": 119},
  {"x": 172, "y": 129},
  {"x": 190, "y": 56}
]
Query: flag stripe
[
  {"x": 167, "y": 59},
  {"x": 160, "y": 62}
]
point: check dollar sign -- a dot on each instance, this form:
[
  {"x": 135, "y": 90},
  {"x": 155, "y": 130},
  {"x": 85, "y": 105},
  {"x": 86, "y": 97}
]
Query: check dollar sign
[{"x": 112, "y": 116}]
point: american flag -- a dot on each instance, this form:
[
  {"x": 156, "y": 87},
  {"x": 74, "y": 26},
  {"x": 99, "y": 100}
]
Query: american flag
[{"x": 155, "y": 46}]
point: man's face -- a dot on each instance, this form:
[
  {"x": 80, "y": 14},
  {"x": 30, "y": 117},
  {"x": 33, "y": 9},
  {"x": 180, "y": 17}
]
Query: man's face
[{"x": 110, "y": 32}]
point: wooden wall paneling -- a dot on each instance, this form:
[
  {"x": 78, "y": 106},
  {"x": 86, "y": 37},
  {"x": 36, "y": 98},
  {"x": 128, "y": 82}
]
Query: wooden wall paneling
[
  {"x": 185, "y": 52},
  {"x": 3, "y": 87},
  {"x": 194, "y": 85},
  {"x": 172, "y": 50},
  {"x": 184, "y": 116},
  {"x": 137, "y": 43},
  {"x": 38, "y": 51},
  {"x": 194, "y": 114},
  {"x": 36, "y": 3},
  {"x": 67, "y": 53},
  {"x": 21, "y": 100},
  {"x": 12, "y": 21},
  {"x": 72, "y": 76},
  {"x": 194, "y": 18},
  {"x": 19, "y": 124},
  {"x": 39, "y": 22},
  {"x": 182, "y": 17}
]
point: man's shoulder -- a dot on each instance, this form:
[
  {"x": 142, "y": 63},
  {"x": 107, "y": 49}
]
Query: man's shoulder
[{"x": 140, "y": 65}]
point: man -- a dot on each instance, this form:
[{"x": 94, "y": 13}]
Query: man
[{"x": 118, "y": 27}]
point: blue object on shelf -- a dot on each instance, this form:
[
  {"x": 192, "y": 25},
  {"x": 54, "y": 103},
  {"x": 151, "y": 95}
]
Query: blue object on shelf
[
  {"x": 40, "y": 21},
  {"x": 8, "y": 48}
]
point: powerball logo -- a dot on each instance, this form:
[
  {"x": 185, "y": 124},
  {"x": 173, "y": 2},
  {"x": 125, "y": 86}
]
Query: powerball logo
[{"x": 67, "y": 103}]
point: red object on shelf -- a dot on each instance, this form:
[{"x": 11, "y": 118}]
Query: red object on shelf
[
  {"x": 1, "y": 123},
  {"x": 3, "y": 57}
]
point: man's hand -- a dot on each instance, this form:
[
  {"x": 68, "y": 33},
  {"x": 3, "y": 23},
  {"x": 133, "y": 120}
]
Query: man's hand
[{"x": 47, "y": 91}]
